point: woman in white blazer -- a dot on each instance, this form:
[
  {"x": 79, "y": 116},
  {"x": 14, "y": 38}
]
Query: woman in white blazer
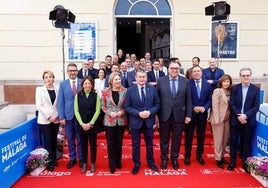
[
  {"x": 99, "y": 83},
  {"x": 46, "y": 103},
  {"x": 219, "y": 118}
]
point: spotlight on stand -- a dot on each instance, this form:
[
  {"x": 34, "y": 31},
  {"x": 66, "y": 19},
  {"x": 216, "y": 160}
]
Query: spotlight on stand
[
  {"x": 218, "y": 10},
  {"x": 61, "y": 17}
]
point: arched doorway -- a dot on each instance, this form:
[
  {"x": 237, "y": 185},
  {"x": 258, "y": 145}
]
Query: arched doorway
[{"x": 143, "y": 26}]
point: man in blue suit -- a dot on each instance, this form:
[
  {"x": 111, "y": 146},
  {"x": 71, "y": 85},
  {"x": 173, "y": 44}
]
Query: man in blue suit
[
  {"x": 201, "y": 101},
  {"x": 141, "y": 104},
  {"x": 212, "y": 74},
  {"x": 244, "y": 103},
  {"x": 155, "y": 74},
  {"x": 67, "y": 91}
]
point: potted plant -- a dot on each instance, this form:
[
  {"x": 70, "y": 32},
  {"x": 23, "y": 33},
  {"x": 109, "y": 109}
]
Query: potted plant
[
  {"x": 37, "y": 161},
  {"x": 258, "y": 167}
]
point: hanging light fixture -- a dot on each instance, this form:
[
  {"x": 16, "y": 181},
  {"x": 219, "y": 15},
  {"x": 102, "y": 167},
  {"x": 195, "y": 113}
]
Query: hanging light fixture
[{"x": 138, "y": 26}]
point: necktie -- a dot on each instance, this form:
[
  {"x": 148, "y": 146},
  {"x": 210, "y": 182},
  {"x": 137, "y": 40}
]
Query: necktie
[
  {"x": 173, "y": 89},
  {"x": 85, "y": 73},
  {"x": 74, "y": 87},
  {"x": 156, "y": 75},
  {"x": 142, "y": 95},
  {"x": 198, "y": 88}
]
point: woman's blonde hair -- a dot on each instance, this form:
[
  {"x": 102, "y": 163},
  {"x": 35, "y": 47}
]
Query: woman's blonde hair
[
  {"x": 47, "y": 72},
  {"x": 111, "y": 77}
]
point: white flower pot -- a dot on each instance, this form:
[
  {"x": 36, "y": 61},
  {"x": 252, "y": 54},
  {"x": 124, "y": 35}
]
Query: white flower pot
[{"x": 260, "y": 179}]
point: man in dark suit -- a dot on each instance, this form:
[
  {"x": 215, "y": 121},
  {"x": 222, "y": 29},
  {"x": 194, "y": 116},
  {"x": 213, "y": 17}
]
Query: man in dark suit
[
  {"x": 245, "y": 103},
  {"x": 88, "y": 69},
  {"x": 201, "y": 101},
  {"x": 132, "y": 74},
  {"x": 176, "y": 109},
  {"x": 141, "y": 104},
  {"x": 212, "y": 74},
  {"x": 124, "y": 74},
  {"x": 68, "y": 89},
  {"x": 155, "y": 74}
]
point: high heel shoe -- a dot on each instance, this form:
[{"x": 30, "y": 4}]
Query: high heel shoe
[
  {"x": 220, "y": 164},
  {"x": 224, "y": 161},
  {"x": 92, "y": 169},
  {"x": 84, "y": 168}
]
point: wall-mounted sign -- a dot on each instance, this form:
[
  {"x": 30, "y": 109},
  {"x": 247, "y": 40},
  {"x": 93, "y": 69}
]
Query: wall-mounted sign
[{"x": 82, "y": 41}]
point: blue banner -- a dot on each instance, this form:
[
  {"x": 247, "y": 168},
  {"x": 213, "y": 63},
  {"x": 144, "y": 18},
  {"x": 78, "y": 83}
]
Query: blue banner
[
  {"x": 16, "y": 145},
  {"x": 260, "y": 140}
]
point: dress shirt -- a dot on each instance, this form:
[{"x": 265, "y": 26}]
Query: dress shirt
[{"x": 244, "y": 95}]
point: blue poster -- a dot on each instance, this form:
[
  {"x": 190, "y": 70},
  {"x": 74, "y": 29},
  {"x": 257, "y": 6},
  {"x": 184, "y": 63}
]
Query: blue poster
[
  {"x": 224, "y": 40},
  {"x": 82, "y": 41}
]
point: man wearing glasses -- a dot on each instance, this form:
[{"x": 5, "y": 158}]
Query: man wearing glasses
[
  {"x": 244, "y": 103},
  {"x": 176, "y": 109},
  {"x": 67, "y": 91}
]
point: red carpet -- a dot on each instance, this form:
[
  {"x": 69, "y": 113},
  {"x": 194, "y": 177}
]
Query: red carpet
[{"x": 194, "y": 175}]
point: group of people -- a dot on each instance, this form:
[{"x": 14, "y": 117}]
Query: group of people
[{"x": 95, "y": 100}]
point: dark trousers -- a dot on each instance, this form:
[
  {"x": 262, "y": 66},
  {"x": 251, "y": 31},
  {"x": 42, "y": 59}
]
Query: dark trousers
[
  {"x": 50, "y": 133},
  {"x": 92, "y": 139},
  {"x": 241, "y": 136},
  {"x": 136, "y": 142},
  {"x": 167, "y": 129},
  {"x": 72, "y": 137},
  {"x": 114, "y": 137},
  {"x": 200, "y": 127}
]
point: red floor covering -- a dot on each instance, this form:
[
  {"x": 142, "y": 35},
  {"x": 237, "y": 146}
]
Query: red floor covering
[{"x": 194, "y": 175}]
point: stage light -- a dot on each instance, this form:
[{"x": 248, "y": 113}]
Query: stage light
[
  {"x": 218, "y": 10},
  {"x": 61, "y": 17}
]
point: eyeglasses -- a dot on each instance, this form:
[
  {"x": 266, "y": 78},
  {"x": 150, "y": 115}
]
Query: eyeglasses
[
  {"x": 246, "y": 75},
  {"x": 72, "y": 70}
]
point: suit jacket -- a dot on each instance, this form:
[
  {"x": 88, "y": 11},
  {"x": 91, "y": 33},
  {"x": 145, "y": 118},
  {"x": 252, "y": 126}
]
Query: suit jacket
[
  {"x": 131, "y": 77},
  {"x": 134, "y": 105},
  {"x": 99, "y": 85},
  {"x": 66, "y": 100},
  {"x": 220, "y": 107},
  {"x": 181, "y": 105},
  {"x": 204, "y": 100},
  {"x": 217, "y": 75},
  {"x": 44, "y": 105},
  {"x": 251, "y": 106},
  {"x": 92, "y": 73},
  {"x": 151, "y": 76},
  {"x": 124, "y": 79},
  {"x": 108, "y": 106}
]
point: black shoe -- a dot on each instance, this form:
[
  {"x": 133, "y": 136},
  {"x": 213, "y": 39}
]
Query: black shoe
[
  {"x": 56, "y": 163},
  {"x": 220, "y": 164},
  {"x": 84, "y": 168},
  {"x": 80, "y": 163},
  {"x": 187, "y": 161},
  {"x": 112, "y": 170},
  {"x": 175, "y": 164},
  {"x": 71, "y": 163},
  {"x": 51, "y": 168},
  {"x": 231, "y": 167},
  {"x": 135, "y": 170},
  {"x": 245, "y": 167},
  {"x": 164, "y": 165},
  {"x": 154, "y": 168},
  {"x": 200, "y": 160},
  {"x": 224, "y": 161}
]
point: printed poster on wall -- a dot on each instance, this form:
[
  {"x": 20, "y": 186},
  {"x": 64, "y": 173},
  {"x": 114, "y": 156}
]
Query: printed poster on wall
[
  {"x": 82, "y": 41},
  {"x": 224, "y": 40}
]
